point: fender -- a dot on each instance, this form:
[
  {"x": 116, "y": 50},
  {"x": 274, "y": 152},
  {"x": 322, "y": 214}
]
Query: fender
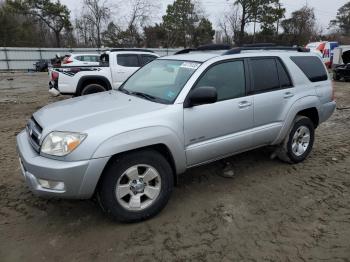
[
  {"x": 144, "y": 137},
  {"x": 92, "y": 77},
  {"x": 299, "y": 105}
]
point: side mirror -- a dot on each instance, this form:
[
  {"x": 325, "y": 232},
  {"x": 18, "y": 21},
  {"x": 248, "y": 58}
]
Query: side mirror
[{"x": 202, "y": 95}]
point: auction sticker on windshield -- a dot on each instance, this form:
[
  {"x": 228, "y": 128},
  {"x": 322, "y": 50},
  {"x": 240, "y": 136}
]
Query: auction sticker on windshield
[{"x": 190, "y": 65}]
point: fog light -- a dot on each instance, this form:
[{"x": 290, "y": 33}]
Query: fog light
[{"x": 53, "y": 185}]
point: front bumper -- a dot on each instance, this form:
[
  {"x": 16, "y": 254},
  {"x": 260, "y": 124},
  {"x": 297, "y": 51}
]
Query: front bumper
[{"x": 80, "y": 177}]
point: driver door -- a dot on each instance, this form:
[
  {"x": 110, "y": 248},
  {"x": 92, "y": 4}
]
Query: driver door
[{"x": 213, "y": 131}]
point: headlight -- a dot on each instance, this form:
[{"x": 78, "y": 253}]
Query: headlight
[{"x": 61, "y": 143}]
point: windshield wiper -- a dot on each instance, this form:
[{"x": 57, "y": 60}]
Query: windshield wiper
[
  {"x": 143, "y": 95},
  {"x": 124, "y": 91}
]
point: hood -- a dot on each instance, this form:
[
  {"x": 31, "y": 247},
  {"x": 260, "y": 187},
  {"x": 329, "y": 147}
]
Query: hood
[{"x": 85, "y": 112}]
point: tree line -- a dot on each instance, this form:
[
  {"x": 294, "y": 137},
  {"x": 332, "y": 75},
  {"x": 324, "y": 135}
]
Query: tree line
[{"x": 48, "y": 23}]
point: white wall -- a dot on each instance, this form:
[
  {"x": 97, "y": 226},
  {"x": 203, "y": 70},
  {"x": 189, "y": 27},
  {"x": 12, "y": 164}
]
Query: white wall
[{"x": 24, "y": 58}]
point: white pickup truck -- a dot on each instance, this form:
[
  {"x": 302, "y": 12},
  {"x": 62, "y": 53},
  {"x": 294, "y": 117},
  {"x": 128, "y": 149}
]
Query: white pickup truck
[{"x": 116, "y": 65}]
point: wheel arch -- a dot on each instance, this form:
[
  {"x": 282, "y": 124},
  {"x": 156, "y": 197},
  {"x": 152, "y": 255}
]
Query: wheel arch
[
  {"x": 312, "y": 114},
  {"x": 86, "y": 80},
  {"x": 160, "y": 148},
  {"x": 306, "y": 106},
  {"x": 159, "y": 138}
]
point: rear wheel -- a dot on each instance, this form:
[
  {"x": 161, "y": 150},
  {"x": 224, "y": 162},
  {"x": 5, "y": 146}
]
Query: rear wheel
[
  {"x": 336, "y": 76},
  {"x": 92, "y": 88},
  {"x": 298, "y": 144},
  {"x": 136, "y": 186}
]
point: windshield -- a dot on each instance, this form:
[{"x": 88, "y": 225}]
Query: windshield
[{"x": 161, "y": 80}]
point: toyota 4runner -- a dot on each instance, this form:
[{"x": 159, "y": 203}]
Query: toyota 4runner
[{"x": 127, "y": 146}]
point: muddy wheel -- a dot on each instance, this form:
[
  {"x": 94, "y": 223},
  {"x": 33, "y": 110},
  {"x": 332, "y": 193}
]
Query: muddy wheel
[
  {"x": 136, "y": 186},
  {"x": 298, "y": 143},
  {"x": 91, "y": 89}
]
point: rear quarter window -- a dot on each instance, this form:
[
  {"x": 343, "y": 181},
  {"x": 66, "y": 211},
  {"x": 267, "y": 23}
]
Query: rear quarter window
[{"x": 312, "y": 67}]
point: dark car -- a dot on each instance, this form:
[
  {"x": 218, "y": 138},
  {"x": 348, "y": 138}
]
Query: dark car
[
  {"x": 342, "y": 72},
  {"x": 41, "y": 66}
]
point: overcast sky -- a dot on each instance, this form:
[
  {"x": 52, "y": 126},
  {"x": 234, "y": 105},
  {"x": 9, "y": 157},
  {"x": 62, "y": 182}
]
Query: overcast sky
[{"x": 325, "y": 10}]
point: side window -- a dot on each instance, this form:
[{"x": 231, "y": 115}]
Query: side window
[
  {"x": 80, "y": 58},
  {"x": 147, "y": 58},
  {"x": 89, "y": 58},
  {"x": 94, "y": 58},
  {"x": 228, "y": 79},
  {"x": 128, "y": 60},
  {"x": 264, "y": 73},
  {"x": 312, "y": 67},
  {"x": 283, "y": 75}
]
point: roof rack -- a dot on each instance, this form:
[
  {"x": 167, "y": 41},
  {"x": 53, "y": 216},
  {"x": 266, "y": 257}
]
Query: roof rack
[
  {"x": 211, "y": 47},
  {"x": 247, "y": 47},
  {"x": 266, "y": 47},
  {"x": 129, "y": 49}
]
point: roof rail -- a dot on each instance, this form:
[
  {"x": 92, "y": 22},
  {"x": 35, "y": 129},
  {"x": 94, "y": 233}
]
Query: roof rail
[
  {"x": 211, "y": 47},
  {"x": 128, "y": 49},
  {"x": 266, "y": 47},
  {"x": 259, "y": 45}
]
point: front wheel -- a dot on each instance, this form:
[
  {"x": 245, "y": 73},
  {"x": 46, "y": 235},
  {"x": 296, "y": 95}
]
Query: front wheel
[
  {"x": 299, "y": 142},
  {"x": 136, "y": 186}
]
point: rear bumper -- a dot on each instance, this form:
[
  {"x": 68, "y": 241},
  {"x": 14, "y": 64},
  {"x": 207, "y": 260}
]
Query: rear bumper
[
  {"x": 327, "y": 110},
  {"x": 79, "y": 178},
  {"x": 53, "y": 88}
]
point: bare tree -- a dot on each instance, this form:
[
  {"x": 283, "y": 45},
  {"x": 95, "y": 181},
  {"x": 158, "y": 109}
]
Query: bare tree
[
  {"x": 230, "y": 24},
  {"x": 140, "y": 14},
  {"x": 97, "y": 13}
]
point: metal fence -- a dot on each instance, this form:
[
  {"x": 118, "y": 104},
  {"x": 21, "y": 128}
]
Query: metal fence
[{"x": 24, "y": 58}]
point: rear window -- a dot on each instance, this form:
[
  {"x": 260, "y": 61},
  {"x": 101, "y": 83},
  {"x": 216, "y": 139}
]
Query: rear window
[{"x": 312, "y": 67}]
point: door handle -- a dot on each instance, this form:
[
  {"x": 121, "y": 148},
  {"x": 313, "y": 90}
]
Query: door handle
[
  {"x": 244, "y": 104},
  {"x": 120, "y": 72},
  {"x": 288, "y": 95}
]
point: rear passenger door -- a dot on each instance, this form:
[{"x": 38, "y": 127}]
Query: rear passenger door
[
  {"x": 273, "y": 93},
  {"x": 126, "y": 65}
]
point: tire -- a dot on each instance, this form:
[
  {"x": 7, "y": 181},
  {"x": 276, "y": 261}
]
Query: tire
[
  {"x": 91, "y": 89},
  {"x": 336, "y": 77},
  {"x": 118, "y": 193},
  {"x": 299, "y": 142}
]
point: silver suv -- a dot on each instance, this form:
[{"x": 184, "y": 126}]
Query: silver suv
[{"x": 127, "y": 146}]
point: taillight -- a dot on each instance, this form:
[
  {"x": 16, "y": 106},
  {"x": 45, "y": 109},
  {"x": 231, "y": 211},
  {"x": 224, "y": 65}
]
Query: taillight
[
  {"x": 67, "y": 60},
  {"x": 54, "y": 76}
]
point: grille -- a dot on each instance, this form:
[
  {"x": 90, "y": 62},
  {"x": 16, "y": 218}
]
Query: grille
[{"x": 34, "y": 132}]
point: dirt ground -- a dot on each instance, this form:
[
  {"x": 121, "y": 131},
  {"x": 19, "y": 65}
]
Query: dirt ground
[{"x": 269, "y": 211}]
